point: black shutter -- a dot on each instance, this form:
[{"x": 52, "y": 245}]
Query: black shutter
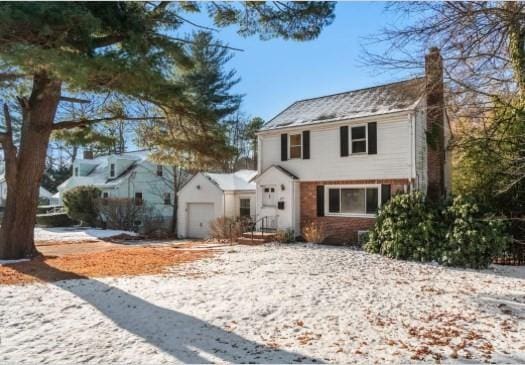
[
  {"x": 306, "y": 145},
  {"x": 284, "y": 147},
  {"x": 320, "y": 201},
  {"x": 385, "y": 193},
  {"x": 344, "y": 140},
  {"x": 372, "y": 138}
]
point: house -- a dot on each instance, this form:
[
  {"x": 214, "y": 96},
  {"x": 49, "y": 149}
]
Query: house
[
  {"x": 208, "y": 196},
  {"x": 128, "y": 175},
  {"x": 334, "y": 160},
  {"x": 45, "y": 196}
]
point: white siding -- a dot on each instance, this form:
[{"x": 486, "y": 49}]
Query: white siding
[
  {"x": 391, "y": 161},
  {"x": 421, "y": 150}
]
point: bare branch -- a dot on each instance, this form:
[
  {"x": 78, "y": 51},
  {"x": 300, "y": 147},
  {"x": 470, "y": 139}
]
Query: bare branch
[
  {"x": 74, "y": 100},
  {"x": 82, "y": 123}
]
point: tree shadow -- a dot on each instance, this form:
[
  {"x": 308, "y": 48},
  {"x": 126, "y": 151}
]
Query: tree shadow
[{"x": 183, "y": 336}]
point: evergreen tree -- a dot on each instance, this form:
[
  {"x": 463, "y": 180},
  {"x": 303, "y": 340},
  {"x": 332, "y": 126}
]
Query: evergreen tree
[{"x": 124, "y": 47}]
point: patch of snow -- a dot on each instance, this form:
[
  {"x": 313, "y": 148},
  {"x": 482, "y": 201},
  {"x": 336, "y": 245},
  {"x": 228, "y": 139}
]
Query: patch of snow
[
  {"x": 71, "y": 234},
  {"x": 272, "y": 304},
  {"x": 8, "y": 262}
]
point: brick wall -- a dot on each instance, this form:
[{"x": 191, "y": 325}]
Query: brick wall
[{"x": 339, "y": 229}]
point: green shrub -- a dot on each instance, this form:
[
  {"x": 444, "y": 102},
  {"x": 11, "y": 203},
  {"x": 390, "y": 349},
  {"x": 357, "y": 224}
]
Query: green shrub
[
  {"x": 54, "y": 220},
  {"x": 405, "y": 229},
  {"x": 456, "y": 233},
  {"x": 472, "y": 238},
  {"x": 81, "y": 204}
]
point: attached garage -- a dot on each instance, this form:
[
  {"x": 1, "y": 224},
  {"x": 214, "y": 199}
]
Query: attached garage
[{"x": 208, "y": 196}]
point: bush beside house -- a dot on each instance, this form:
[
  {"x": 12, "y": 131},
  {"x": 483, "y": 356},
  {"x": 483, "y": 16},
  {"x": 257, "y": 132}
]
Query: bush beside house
[
  {"x": 81, "y": 204},
  {"x": 455, "y": 233}
]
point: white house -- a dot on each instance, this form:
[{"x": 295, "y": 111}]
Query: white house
[
  {"x": 334, "y": 160},
  {"x": 208, "y": 196},
  {"x": 127, "y": 175},
  {"x": 44, "y": 194}
]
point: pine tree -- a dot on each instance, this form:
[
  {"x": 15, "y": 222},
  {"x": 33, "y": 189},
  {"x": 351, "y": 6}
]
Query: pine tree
[{"x": 129, "y": 48}]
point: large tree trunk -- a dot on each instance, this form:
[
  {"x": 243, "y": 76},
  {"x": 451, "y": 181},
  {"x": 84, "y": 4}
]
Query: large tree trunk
[{"x": 25, "y": 167}]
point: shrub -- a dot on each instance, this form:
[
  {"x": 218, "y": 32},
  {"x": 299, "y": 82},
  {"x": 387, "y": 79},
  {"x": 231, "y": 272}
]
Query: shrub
[
  {"x": 81, "y": 204},
  {"x": 285, "y": 236},
  {"x": 456, "y": 233},
  {"x": 54, "y": 220},
  {"x": 125, "y": 214},
  {"x": 314, "y": 233},
  {"x": 225, "y": 228},
  {"x": 473, "y": 239},
  {"x": 405, "y": 229}
]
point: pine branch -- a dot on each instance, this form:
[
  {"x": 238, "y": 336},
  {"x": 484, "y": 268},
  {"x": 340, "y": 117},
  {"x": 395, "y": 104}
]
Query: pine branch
[
  {"x": 82, "y": 123},
  {"x": 74, "y": 100}
]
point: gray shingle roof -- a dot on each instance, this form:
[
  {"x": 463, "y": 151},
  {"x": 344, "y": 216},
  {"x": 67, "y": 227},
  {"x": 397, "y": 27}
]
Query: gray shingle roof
[{"x": 398, "y": 96}]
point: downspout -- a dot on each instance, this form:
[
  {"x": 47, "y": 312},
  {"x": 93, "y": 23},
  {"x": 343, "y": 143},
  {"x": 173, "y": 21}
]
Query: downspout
[{"x": 411, "y": 143}]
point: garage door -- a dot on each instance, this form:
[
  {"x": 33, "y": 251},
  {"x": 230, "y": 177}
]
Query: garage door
[{"x": 199, "y": 217}]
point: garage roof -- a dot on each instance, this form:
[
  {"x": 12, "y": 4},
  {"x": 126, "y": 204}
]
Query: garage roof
[{"x": 239, "y": 180}]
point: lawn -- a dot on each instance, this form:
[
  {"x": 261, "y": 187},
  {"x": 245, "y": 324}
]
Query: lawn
[{"x": 270, "y": 304}]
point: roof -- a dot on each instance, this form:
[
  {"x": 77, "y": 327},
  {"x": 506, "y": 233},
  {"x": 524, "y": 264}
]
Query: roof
[
  {"x": 382, "y": 99},
  {"x": 280, "y": 169},
  {"x": 240, "y": 180},
  {"x": 99, "y": 175}
]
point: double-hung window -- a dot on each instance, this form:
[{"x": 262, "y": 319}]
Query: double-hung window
[
  {"x": 112, "y": 170},
  {"x": 296, "y": 146},
  {"x": 359, "y": 139},
  {"x": 244, "y": 207},
  {"x": 352, "y": 201}
]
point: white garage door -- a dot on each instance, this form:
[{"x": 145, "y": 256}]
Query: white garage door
[{"x": 199, "y": 217}]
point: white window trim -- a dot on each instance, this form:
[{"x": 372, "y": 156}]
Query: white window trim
[
  {"x": 300, "y": 134},
  {"x": 360, "y": 139},
  {"x": 327, "y": 213}
]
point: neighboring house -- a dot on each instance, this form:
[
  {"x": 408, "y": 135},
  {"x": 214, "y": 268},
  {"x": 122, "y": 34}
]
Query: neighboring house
[
  {"x": 208, "y": 196},
  {"x": 127, "y": 175},
  {"x": 334, "y": 160},
  {"x": 45, "y": 196}
]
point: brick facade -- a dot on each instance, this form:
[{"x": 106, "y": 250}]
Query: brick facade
[{"x": 339, "y": 229}]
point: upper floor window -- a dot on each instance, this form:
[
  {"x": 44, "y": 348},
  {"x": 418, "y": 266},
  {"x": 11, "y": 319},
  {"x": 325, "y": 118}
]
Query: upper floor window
[
  {"x": 353, "y": 200},
  {"x": 138, "y": 199},
  {"x": 112, "y": 170},
  {"x": 159, "y": 170},
  {"x": 295, "y": 146},
  {"x": 76, "y": 171},
  {"x": 359, "y": 139}
]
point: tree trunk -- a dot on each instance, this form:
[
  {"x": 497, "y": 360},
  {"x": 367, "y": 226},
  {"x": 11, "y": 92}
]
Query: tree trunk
[
  {"x": 24, "y": 169},
  {"x": 175, "y": 202}
]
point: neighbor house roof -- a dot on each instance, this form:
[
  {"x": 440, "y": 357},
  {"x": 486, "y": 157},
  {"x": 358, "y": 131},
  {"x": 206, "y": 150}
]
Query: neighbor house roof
[
  {"x": 382, "y": 99},
  {"x": 99, "y": 175},
  {"x": 239, "y": 180}
]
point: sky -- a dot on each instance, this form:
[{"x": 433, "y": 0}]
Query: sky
[{"x": 275, "y": 73}]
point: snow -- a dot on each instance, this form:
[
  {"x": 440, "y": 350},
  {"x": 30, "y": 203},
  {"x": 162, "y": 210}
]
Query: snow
[
  {"x": 272, "y": 304},
  {"x": 239, "y": 180},
  {"x": 9, "y": 262},
  {"x": 72, "y": 234}
]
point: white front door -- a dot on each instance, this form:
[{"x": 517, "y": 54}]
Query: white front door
[{"x": 199, "y": 217}]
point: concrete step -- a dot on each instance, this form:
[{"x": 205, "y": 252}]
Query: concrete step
[
  {"x": 249, "y": 241},
  {"x": 266, "y": 236}
]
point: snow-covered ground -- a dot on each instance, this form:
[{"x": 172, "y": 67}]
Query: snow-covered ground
[
  {"x": 272, "y": 304},
  {"x": 72, "y": 234}
]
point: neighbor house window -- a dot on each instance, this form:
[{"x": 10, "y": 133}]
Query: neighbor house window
[
  {"x": 269, "y": 196},
  {"x": 245, "y": 208},
  {"x": 295, "y": 146},
  {"x": 167, "y": 199},
  {"x": 359, "y": 139},
  {"x": 353, "y": 201},
  {"x": 112, "y": 170},
  {"x": 138, "y": 199},
  {"x": 105, "y": 196},
  {"x": 159, "y": 170},
  {"x": 76, "y": 171}
]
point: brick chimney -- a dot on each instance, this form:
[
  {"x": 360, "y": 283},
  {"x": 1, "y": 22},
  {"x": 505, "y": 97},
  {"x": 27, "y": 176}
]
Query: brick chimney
[
  {"x": 88, "y": 155},
  {"x": 435, "y": 125}
]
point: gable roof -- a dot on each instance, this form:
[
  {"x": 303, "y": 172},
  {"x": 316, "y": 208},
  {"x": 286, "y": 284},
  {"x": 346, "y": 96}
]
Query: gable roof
[
  {"x": 240, "y": 180},
  {"x": 278, "y": 168},
  {"x": 382, "y": 99}
]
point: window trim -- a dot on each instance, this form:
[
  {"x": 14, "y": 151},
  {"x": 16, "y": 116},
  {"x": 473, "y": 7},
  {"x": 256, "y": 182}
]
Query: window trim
[
  {"x": 300, "y": 134},
  {"x": 351, "y": 141},
  {"x": 327, "y": 213}
]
